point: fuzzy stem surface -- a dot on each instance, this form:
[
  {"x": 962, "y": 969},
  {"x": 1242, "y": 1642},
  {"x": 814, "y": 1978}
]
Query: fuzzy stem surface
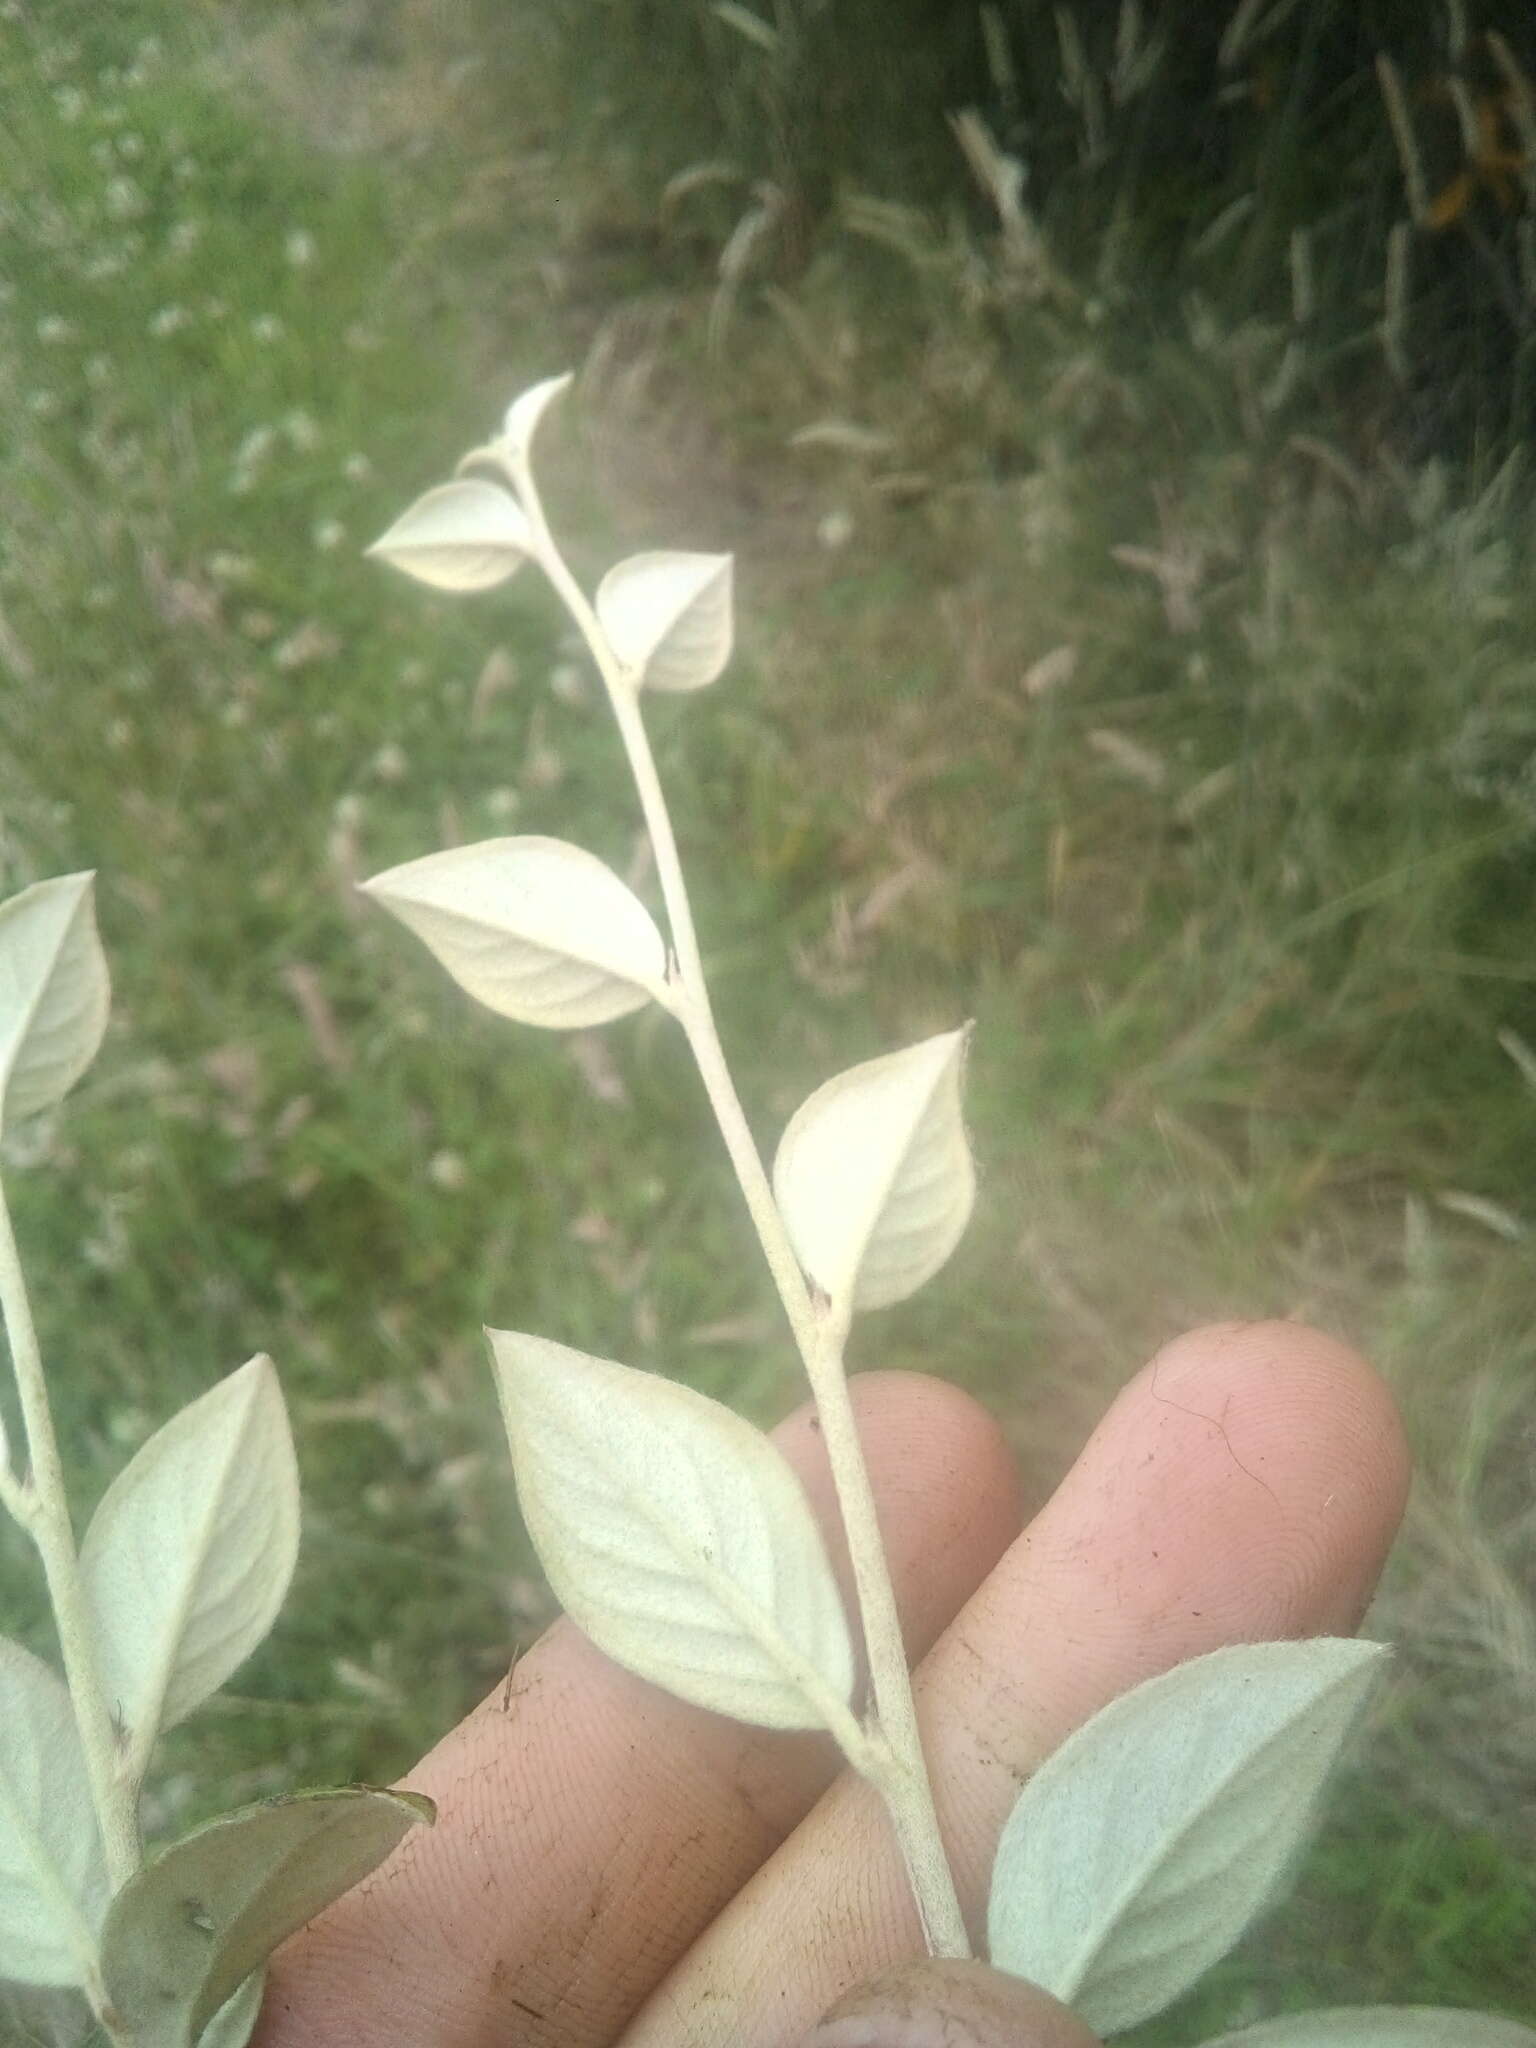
[
  {"x": 46, "y": 1520},
  {"x": 894, "y": 1762}
]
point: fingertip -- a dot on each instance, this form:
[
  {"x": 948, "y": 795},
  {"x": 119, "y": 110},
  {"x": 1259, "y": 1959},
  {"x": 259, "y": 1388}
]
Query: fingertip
[
  {"x": 1299, "y": 1414},
  {"x": 940, "y": 2004},
  {"x": 1272, "y": 1465}
]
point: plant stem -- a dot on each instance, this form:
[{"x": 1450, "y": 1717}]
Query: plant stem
[
  {"x": 47, "y": 1522},
  {"x": 895, "y": 1764},
  {"x": 902, "y": 1777}
]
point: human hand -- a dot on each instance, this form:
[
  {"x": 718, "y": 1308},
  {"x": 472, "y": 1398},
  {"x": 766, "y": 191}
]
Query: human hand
[{"x": 614, "y": 1869}]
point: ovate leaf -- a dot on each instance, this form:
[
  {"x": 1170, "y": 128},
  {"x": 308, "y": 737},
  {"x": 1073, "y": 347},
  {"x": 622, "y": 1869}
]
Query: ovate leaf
[
  {"x": 874, "y": 1174},
  {"x": 675, "y": 1534},
  {"x": 53, "y": 1878},
  {"x": 189, "y": 1555},
  {"x": 525, "y": 412},
  {"x": 34, "y": 2017},
  {"x": 65, "y": 2020},
  {"x": 1141, "y": 1849},
  {"x": 668, "y": 617},
  {"x": 536, "y": 929},
  {"x": 235, "y": 2021},
  {"x": 1383, "y": 2026},
  {"x": 468, "y": 535},
  {"x": 54, "y": 994},
  {"x": 183, "y": 1934}
]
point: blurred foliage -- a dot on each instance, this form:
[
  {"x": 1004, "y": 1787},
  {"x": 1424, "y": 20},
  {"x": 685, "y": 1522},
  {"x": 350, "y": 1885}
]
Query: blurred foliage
[{"x": 1363, "y": 175}]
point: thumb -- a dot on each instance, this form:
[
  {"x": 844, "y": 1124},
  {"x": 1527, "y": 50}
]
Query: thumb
[{"x": 936, "y": 2004}]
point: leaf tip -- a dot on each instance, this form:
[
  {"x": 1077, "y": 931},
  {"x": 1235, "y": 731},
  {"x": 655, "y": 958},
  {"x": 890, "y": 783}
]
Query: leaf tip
[{"x": 529, "y": 407}]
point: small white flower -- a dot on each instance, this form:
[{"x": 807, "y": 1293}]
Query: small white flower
[
  {"x": 70, "y": 102},
  {"x": 502, "y": 804},
  {"x": 130, "y": 147},
  {"x": 301, "y": 430},
  {"x": 390, "y": 764},
  {"x": 169, "y": 320},
  {"x": 329, "y": 533},
  {"x": 299, "y": 247},
  {"x": 255, "y": 448},
  {"x": 43, "y": 404},
  {"x": 128, "y": 1426},
  {"x": 107, "y": 1250},
  {"x": 567, "y": 682},
  {"x": 124, "y": 200},
  {"x": 226, "y": 567},
  {"x": 309, "y": 642},
  {"x": 53, "y": 328},
  {"x": 266, "y": 327},
  {"x": 357, "y": 469},
  {"x": 835, "y": 530},
  {"x": 184, "y": 237},
  {"x": 447, "y": 1171}
]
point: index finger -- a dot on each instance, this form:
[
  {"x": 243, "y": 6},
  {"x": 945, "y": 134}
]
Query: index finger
[{"x": 589, "y": 1825}]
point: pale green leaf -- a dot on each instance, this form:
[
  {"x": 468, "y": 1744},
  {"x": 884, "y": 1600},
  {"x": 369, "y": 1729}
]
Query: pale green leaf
[
  {"x": 536, "y": 929},
  {"x": 874, "y": 1175},
  {"x": 186, "y": 1931},
  {"x": 53, "y": 1878},
  {"x": 675, "y": 1534},
  {"x": 32, "y": 2016},
  {"x": 235, "y": 2021},
  {"x": 1382, "y": 2026},
  {"x": 1142, "y": 1848},
  {"x": 525, "y": 413},
  {"x": 189, "y": 1555},
  {"x": 54, "y": 994},
  {"x": 468, "y": 535},
  {"x": 668, "y": 618}
]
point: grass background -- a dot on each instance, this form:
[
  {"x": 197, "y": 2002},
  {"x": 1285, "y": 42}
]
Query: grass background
[{"x": 1135, "y": 656}]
